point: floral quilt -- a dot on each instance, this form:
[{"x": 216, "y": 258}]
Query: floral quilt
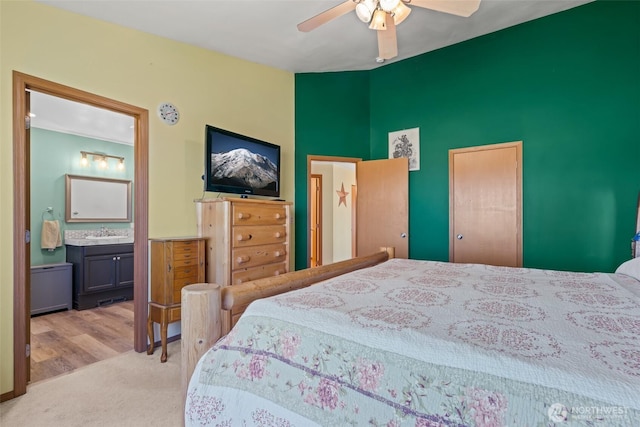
[{"x": 422, "y": 343}]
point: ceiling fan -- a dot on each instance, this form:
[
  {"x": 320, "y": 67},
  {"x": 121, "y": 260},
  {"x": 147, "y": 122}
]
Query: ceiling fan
[{"x": 384, "y": 15}]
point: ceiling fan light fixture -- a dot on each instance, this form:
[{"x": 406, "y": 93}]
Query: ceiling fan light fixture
[
  {"x": 400, "y": 13},
  {"x": 379, "y": 20},
  {"x": 365, "y": 10},
  {"x": 389, "y": 5}
]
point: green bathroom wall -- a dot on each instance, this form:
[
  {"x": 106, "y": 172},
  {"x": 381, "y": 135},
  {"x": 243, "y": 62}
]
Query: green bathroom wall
[
  {"x": 567, "y": 86},
  {"x": 54, "y": 154}
]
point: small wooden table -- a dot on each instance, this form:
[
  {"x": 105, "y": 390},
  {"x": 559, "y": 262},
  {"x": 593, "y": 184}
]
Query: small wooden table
[{"x": 162, "y": 314}]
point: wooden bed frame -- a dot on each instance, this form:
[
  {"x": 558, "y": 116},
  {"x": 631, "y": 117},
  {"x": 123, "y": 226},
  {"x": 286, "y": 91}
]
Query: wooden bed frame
[{"x": 202, "y": 303}]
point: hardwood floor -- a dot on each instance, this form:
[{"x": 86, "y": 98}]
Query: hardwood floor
[{"x": 67, "y": 340}]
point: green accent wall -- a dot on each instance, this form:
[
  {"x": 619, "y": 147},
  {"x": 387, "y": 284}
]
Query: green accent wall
[
  {"x": 54, "y": 154},
  {"x": 332, "y": 119},
  {"x": 567, "y": 85}
]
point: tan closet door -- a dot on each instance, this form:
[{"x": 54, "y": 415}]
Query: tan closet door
[
  {"x": 382, "y": 210},
  {"x": 485, "y": 204}
]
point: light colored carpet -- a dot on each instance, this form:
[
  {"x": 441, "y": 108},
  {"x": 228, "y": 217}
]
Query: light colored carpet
[{"x": 132, "y": 389}]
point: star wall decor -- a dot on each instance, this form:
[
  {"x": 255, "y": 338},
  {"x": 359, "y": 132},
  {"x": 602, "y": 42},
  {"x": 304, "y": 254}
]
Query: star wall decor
[{"x": 343, "y": 196}]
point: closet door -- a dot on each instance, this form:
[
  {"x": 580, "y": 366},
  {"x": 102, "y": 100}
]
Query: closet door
[
  {"x": 382, "y": 210},
  {"x": 485, "y": 204}
]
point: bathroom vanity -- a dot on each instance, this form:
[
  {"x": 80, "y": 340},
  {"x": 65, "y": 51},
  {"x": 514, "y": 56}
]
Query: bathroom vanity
[{"x": 102, "y": 273}]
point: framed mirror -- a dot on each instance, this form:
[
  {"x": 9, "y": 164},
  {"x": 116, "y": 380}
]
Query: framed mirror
[{"x": 93, "y": 199}]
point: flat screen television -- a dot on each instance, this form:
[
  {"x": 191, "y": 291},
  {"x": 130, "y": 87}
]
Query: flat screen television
[{"x": 240, "y": 164}]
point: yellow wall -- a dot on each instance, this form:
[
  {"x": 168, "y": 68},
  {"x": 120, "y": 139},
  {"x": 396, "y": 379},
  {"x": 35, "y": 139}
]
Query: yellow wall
[{"x": 142, "y": 70}]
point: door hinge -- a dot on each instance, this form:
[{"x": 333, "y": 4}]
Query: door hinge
[
  {"x": 28, "y": 350},
  {"x": 27, "y": 122},
  {"x": 27, "y": 236}
]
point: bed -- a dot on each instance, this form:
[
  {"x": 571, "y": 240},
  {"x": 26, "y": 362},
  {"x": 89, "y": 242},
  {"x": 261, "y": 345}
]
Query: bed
[{"x": 423, "y": 343}]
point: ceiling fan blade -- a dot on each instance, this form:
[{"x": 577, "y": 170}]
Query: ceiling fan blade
[
  {"x": 387, "y": 41},
  {"x": 464, "y": 8},
  {"x": 326, "y": 16}
]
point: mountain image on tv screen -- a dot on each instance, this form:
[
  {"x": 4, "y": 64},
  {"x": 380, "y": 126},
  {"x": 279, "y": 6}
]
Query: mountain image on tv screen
[{"x": 243, "y": 168}]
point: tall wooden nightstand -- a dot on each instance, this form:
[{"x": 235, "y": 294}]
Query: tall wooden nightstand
[{"x": 175, "y": 263}]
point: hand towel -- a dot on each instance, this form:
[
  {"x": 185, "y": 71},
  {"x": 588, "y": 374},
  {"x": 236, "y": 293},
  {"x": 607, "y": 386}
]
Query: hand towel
[{"x": 51, "y": 237}]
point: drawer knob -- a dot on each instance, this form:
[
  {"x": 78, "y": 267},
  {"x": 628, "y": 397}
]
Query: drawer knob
[
  {"x": 242, "y": 259},
  {"x": 278, "y": 234},
  {"x": 242, "y": 215},
  {"x": 278, "y": 215},
  {"x": 278, "y": 254},
  {"x": 242, "y": 237}
]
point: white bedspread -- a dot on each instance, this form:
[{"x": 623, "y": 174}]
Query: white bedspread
[{"x": 565, "y": 332}]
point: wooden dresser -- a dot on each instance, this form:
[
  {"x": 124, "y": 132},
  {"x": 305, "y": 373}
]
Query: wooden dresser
[
  {"x": 175, "y": 263},
  {"x": 247, "y": 239}
]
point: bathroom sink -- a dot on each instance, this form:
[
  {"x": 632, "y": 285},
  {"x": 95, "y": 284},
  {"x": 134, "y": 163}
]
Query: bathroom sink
[{"x": 105, "y": 237}]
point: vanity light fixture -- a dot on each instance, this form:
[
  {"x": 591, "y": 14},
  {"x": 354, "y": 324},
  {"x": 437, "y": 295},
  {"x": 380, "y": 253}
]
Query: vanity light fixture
[{"x": 101, "y": 158}]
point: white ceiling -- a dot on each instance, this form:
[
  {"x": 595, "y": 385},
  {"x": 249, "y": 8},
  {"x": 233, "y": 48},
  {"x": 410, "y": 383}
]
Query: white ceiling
[
  {"x": 264, "y": 32},
  {"x": 58, "y": 114}
]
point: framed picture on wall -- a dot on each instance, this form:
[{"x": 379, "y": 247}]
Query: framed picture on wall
[{"x": 406, "y": 143}]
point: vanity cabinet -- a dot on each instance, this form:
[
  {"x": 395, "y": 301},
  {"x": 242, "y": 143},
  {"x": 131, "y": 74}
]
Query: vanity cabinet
[
  {"x": 102, "y": 274},
  {"x": 247, "y": 239}
]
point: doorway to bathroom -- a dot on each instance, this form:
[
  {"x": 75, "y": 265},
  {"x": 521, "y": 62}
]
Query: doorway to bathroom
[
  {"x": 82, "y": 167},
  {"x": 23, "y": 85}
]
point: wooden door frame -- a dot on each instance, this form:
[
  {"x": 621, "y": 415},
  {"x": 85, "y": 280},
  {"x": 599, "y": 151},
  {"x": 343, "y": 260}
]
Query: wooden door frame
[
  {"x": 311, "y": 158},
  {"x": 518, "y": 147},
  {"x": 21, "y": 184},
  {"x": 318, "y": 215}
]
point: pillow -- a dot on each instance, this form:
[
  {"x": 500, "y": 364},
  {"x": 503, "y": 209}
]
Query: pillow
[{"x": 630, "y": 268}]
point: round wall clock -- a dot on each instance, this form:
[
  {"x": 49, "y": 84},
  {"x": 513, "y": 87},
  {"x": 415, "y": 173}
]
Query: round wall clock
[{"x": 168, "y": 113}]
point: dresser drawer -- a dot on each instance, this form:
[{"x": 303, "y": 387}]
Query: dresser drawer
[
  {"x": 235, "y": 314},
  {"x": 258, "y": 235},
  {"x": 178, "y": 284},
  {"x": 187, "y": 272},
  {"x": 159, "y": 312},
  {"x": 257, "y": 214},
  {"x": 193, "y": 261},
  {"x": 258, "y": 255},
  {"x": 242, "y": 276},
  {"x": 185, "y": 250}
]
